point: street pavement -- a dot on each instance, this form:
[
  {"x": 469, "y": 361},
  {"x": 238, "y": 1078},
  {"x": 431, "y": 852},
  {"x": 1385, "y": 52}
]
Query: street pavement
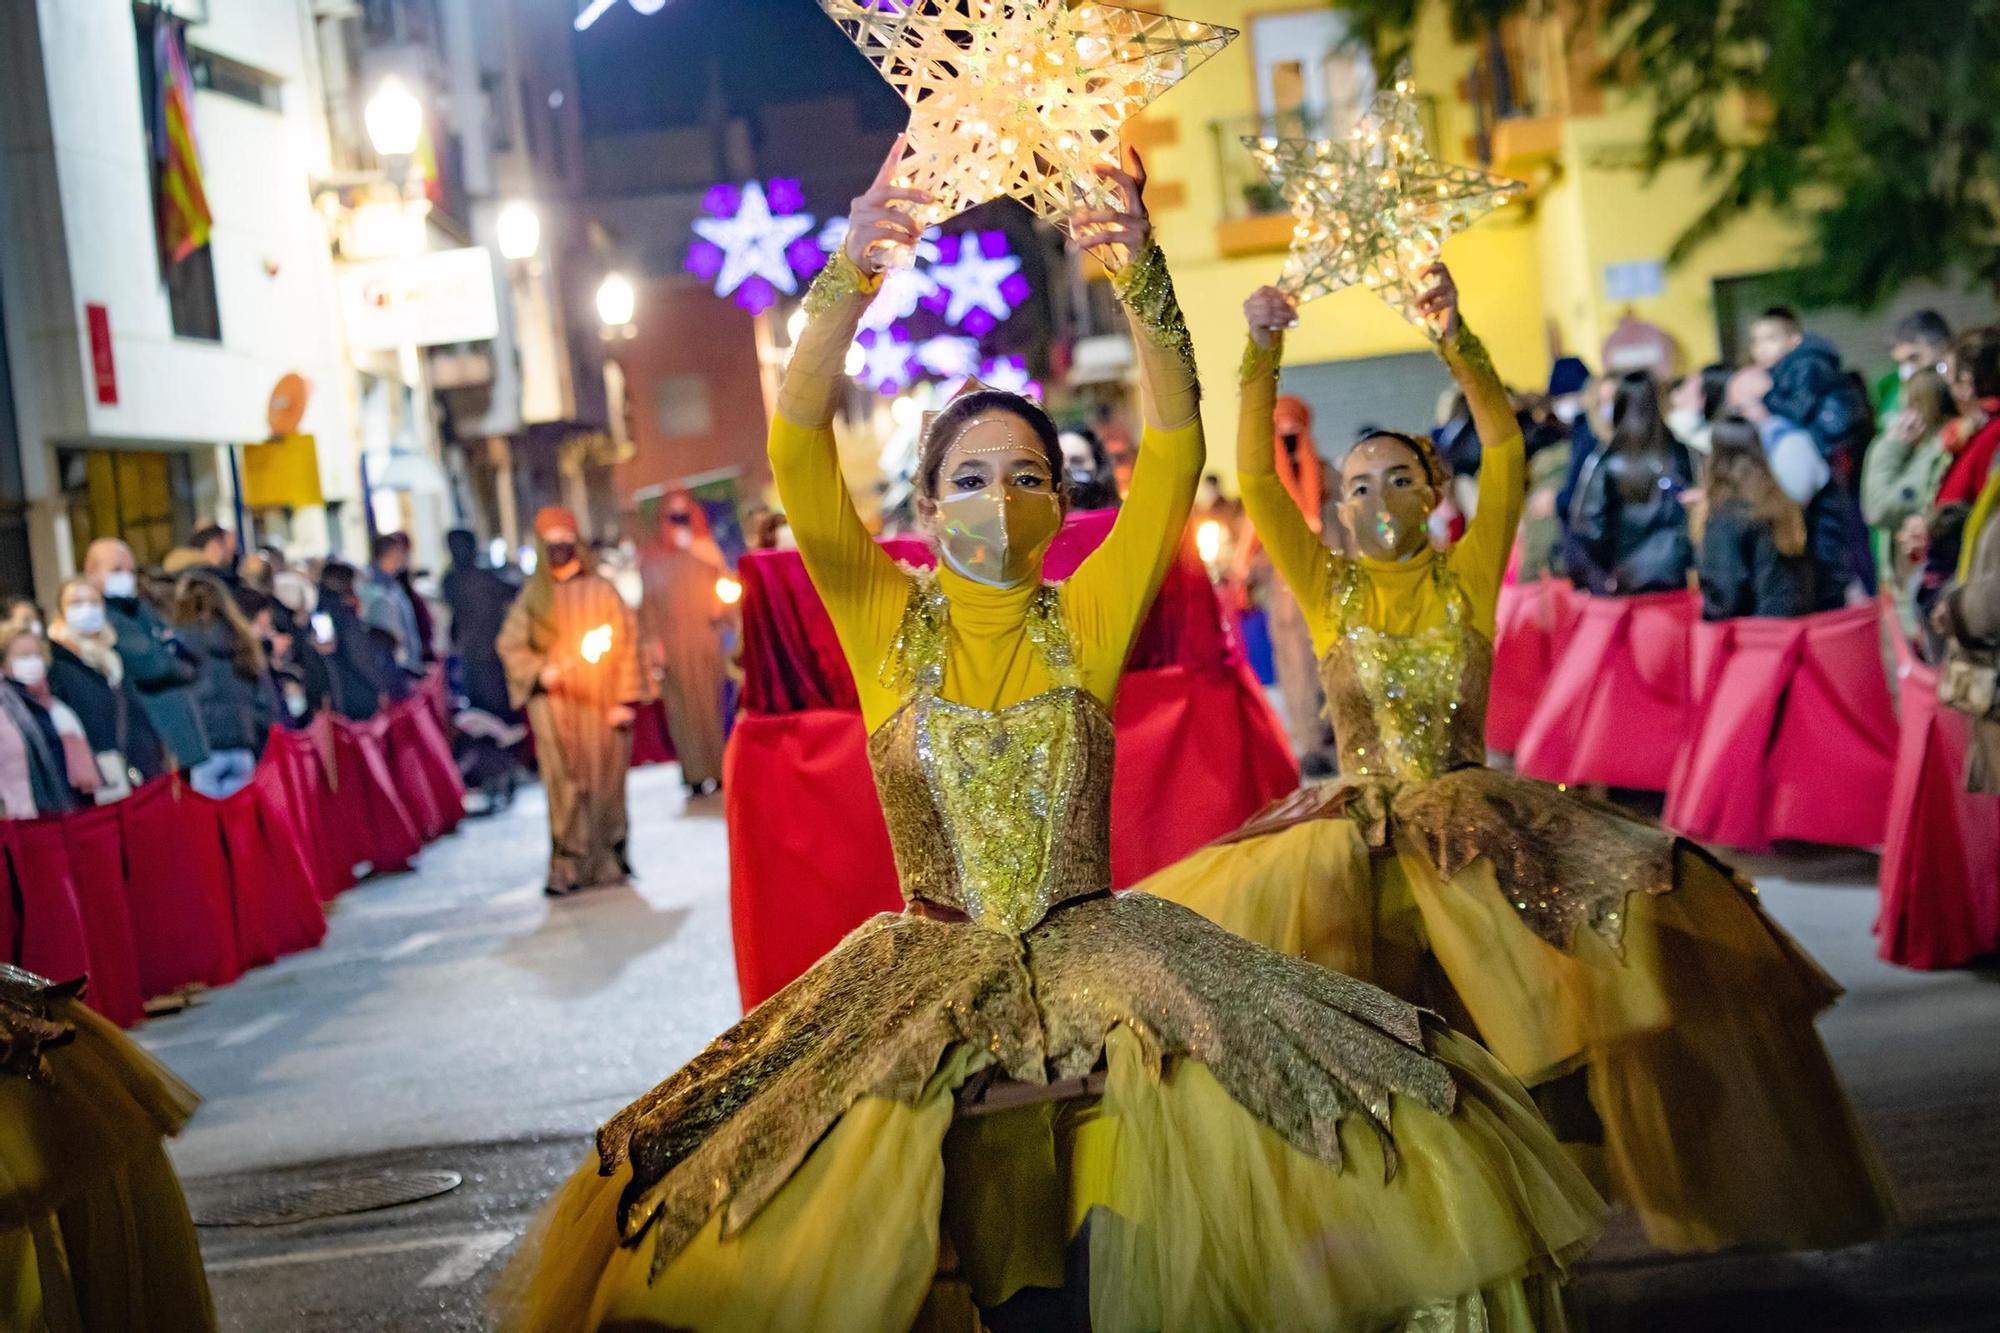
[{"x": 458, "y": 1021}]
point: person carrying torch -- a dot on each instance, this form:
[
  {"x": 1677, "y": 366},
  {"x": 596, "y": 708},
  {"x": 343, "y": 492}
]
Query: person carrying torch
[{"x": 570, "y": 650}]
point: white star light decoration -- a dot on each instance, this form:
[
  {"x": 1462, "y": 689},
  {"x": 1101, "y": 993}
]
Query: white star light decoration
[
  {"x": 758, "y": 250},
  {"x": 981, "y": 281},
  {"x": 1019, "y": 98},
  {"x": 1374, "y": 210}
]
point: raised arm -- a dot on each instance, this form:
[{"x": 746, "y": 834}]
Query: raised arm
[
  {"x": 1297, "y": 553},
  {"x": 1109, "y": 594},
  {"x": 1480, "y": 558},
  {"x": 863, "y": 590}
]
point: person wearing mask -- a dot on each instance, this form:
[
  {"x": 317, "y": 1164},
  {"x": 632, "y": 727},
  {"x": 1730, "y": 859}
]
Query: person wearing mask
[
  {"x": 1628, "y": 528},
  {"x": 478, "y": 598},
  {"x": 1750, "y": 535},
  {"x": 233, "y": 690},
  {"x": 1809, "y": 386},
  {"x": 1900, "y": 478},
  {"x": 157, "y": 668},
  {"x": 62, "y": 773},
  {"x": 570, "y": 647},
  {"x": 386, "y": 603},
  {"x": 361, "y": 664},
  {"x": 1974, "y": 439},
  {"x": 1921, "y": 341},
  {"x": 1087, "y": 465},
  {"x": 1803, "y": 473},
  {"x": 1696, "y": 403},
  {"x": 85, "y": 672},
  {"x": 678, "y": 611}
]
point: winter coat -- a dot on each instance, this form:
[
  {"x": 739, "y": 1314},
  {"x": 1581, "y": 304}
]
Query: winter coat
[
  {"x": 42, "y": 751},
  {"x": 479, "y": 599},
  {"x": 1899, "y": 479},
  {"x": 1809, "y": 387},
  {"x": 362, "y": 667},
  {"x": 236, "y": 710},
  {"x": 1628, "y": 528},
  {"x": 112, "y": 716},
  {"x": 1744, "y": 574},
  {"x": 161, "y": 672}
]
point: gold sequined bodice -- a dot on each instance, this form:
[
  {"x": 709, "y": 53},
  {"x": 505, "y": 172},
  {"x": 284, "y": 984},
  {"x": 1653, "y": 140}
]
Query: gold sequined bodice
[
  {"x": 1407, "y": 706},
  {"x": 1000, "y": 813}
]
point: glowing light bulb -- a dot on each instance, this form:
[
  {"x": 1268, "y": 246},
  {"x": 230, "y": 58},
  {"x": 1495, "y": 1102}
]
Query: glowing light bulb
[
  {"x": 728, "y": 591},
  {"x": 1208, "y": 541},
  {"x": 596, "y": 643}
]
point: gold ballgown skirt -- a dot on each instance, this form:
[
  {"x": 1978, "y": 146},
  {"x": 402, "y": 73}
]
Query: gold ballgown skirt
[
  {"x": 1229, "y": 1139},
  {"x": 94, "y": 1233},
  {"x": 1665, "y": 1021}
]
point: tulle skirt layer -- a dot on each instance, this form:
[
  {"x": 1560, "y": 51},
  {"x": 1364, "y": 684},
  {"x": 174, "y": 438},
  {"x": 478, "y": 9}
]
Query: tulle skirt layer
[
  {"x": 1187, "y": 1213},
  {"x": 1719, "y": 1116},
  {"x": 94, "y": 1231}
]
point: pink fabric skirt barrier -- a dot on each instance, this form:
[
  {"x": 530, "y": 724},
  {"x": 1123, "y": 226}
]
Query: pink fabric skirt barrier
[
  {"x": 1536, "y": 621},
  {"x": 1793, "y": 735},
  {"x": 1616, "y": 705},
  {"x": 1941, "y": 859}
]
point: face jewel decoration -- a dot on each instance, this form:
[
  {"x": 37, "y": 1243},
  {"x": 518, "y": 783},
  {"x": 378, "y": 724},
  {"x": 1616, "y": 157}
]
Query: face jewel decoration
[
  {"x": 1375, "y": 209},
  {"x": 1019, "y": 98}
]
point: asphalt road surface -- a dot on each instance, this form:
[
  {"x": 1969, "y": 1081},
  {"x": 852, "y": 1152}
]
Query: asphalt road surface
[{"x": 457, "y": 1021}]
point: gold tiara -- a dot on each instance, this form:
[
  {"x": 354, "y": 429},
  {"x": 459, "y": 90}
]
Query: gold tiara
[{"x": 971, "y": 384}]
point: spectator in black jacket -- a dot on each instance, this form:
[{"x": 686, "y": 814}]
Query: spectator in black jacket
[
  {"x": 1751, "y": 536},
  {"x": 233, "y": 690},
  {"x": 361, "y": 661},
  {"x": 479, "y": 599},
  {"x": 1628, "y": 528},
  {"x": 86, "y": 673},
  {"x": 157, "y": 667}
]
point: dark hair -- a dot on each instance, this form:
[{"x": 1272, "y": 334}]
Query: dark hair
[
  {"x": 384, "y": 543},
  {"x": 1098, "y": 453},
  {"x": 1714, "y": 389},
  {"x": 1637, "y": 424},
  {"x": 336, "y": 577},
  {"x": 961, "y": 412},
  {"x": 200, "y": 599},
  {"x": 1435, "y": 471},
  {"x": 203, "y": 536},
  {"x": 1977, "y": 353},
  {"x": 1781, "y": 314},
  {"x": 1923, "y": 326},
  {"x": 1738, "y": 470}
]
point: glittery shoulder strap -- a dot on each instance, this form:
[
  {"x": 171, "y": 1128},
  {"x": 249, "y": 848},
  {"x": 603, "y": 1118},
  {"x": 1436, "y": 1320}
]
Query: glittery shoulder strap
[
  {"x": 1348, "y": 580},
  {"x": 1048, "y": 630},
  {"x": 914, "y": 664}
]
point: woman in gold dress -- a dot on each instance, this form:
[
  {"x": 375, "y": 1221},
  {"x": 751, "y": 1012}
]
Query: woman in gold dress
[
  {"x": 1086, "y": 1099},
  {"x": 94, "y": 1233},
  {"x": 1626, "y": 975}
]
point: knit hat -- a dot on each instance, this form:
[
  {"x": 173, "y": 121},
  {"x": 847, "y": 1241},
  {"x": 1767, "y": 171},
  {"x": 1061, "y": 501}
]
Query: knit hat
[{"x": 1568, "y": 376}]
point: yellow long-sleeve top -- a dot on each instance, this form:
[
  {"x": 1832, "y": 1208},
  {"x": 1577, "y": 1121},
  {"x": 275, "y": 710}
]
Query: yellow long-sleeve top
[
  {"x": 990, "y": 661},
  {"x": 1398, "y": 596}
]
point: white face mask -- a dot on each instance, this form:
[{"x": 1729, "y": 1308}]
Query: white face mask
[
  {"x": 1567, "y": 410},
  {"x": 85, "y": 617},
  {"x": 28, "y": 671},
  {"x": 1686, "y": 423},
  {"x": 121, "y": 583}
]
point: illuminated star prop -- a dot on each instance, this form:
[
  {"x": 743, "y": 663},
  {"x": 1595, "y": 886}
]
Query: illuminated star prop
[
  {"x": 756, "y": 248},
  {"x": 1019, "y": 98},
  {"x": 1376, "y": 209}
]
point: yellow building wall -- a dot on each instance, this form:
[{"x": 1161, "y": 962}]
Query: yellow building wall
[{"x": 1533, "y": 267}]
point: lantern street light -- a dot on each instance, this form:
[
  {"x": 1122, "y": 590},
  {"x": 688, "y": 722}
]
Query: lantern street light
[
  {"x": 395, "y": 119},
  {"x": 617, "y": 301},
  {"x": 519, "y": 229}
]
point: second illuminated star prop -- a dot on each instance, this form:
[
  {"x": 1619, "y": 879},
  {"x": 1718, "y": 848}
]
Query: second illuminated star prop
[
  {"x": 1020, "y": 98},
  {"x": 1375, "y": 209}
]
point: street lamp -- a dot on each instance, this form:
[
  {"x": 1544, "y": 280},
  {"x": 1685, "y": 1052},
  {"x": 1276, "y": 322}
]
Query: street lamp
[
  {"x": 617, "y": 302},
  {"x": 395, "y": 119},
  {"x": 520, "y": 229}
]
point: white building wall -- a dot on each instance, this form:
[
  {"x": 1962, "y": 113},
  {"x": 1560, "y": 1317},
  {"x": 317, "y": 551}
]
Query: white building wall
[{"x": 79, "y": 230}]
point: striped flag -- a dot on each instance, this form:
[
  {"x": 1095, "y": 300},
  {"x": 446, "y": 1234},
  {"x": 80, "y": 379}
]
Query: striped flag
[{"x": 183, "y": 211}]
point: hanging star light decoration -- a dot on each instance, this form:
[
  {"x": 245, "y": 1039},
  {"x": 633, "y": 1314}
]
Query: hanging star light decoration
[
  {"x": 749, "y": 251},
  {"x": 978, "y": 281},
  {"x": 1375, "y": 209},
  {"x": 1019, "y": 98}
]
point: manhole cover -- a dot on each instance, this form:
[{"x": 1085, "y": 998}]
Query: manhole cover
[{"x": 258, "y": 1205}]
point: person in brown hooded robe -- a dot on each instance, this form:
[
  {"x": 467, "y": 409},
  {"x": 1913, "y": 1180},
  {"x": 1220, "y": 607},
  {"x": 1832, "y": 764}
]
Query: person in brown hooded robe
[
  {"x": 570, "y": 649},
  {"x": 677, "y": 616}
]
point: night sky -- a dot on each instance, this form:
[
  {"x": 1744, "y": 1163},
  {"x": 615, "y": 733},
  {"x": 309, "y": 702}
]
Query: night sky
[{"x": 643, "y": 72}]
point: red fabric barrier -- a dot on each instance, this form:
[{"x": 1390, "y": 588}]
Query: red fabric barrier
[
  {"x": 385, "y": 834},
  {"x": 1535, "y": 623},
  {"x": 650, "y": 741},
  {"x": 1940, "y": 876},
  {"x": 181, "y": 923},
  {"x": 41, "y": 920},
  {"x": 426, "y": 774},
  {"x": 301, "y": 760},
  {"x": 97, "y": 868},
  {"x": 1793, "y": 733},
  {"x": 1199, "y": 751},
  {"x": 1616, "y": 706}
]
